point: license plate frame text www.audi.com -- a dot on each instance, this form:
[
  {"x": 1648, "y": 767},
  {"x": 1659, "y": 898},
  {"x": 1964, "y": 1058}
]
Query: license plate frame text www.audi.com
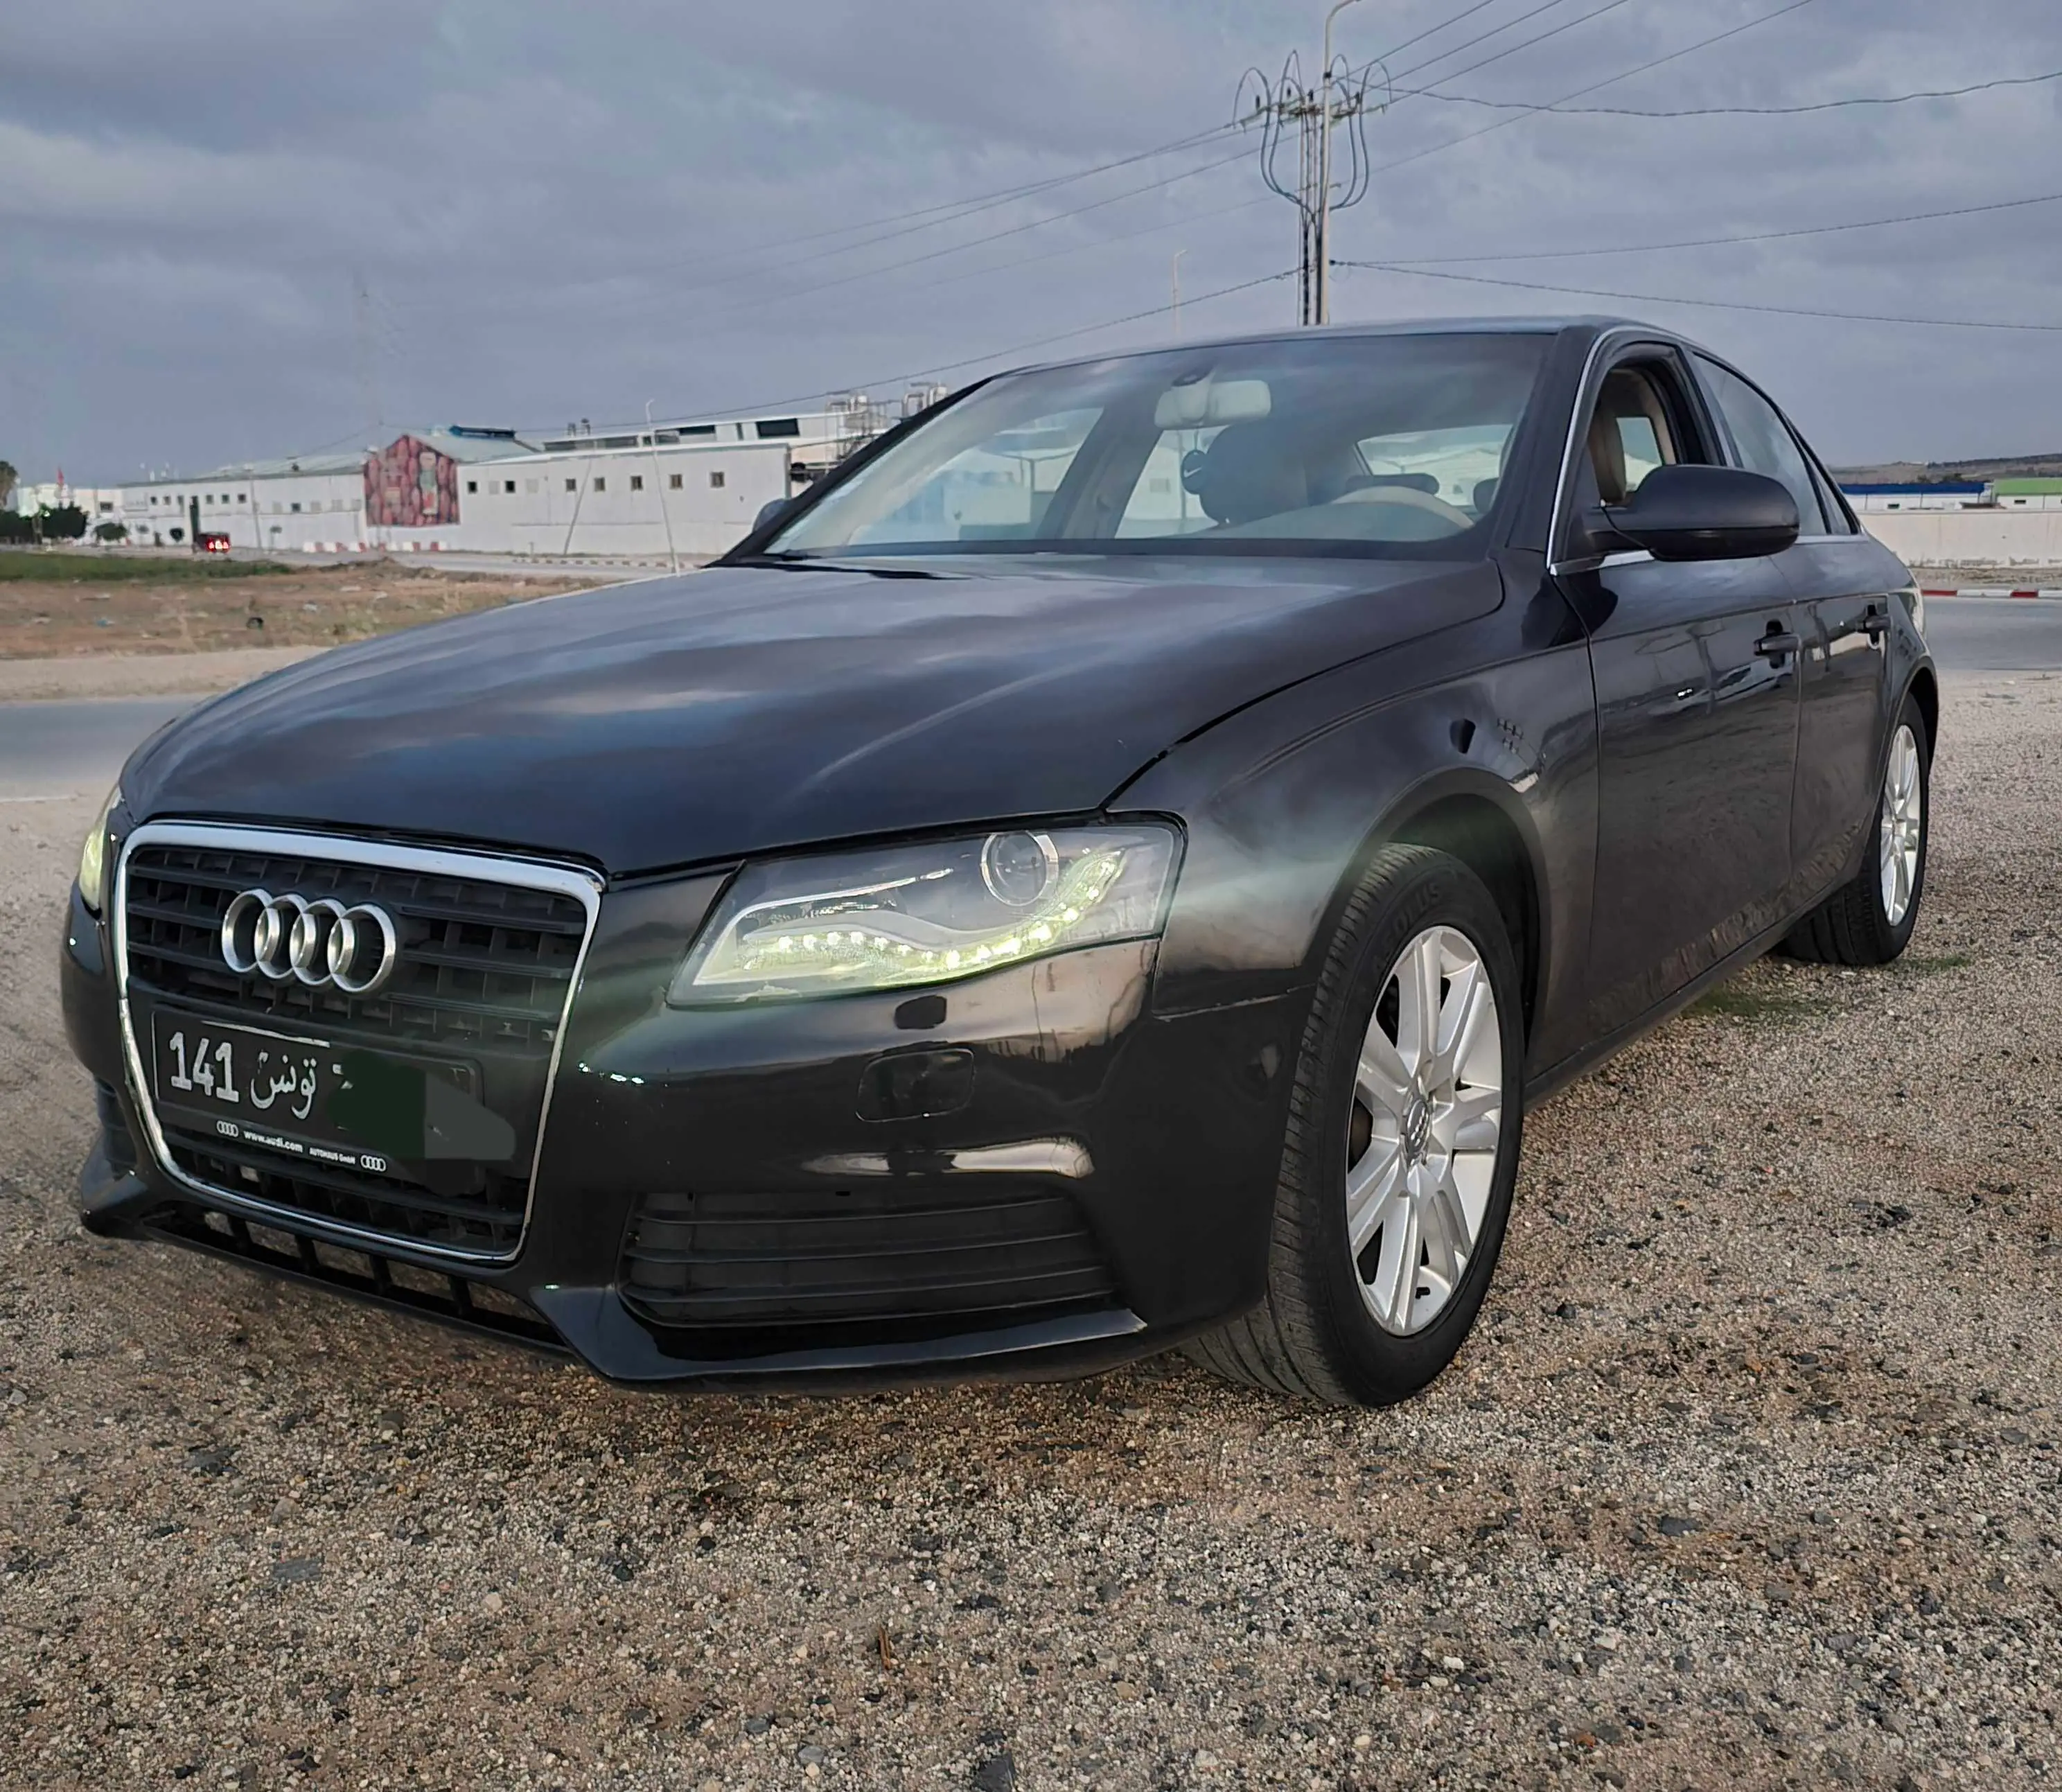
[{"x": 212, "y": 1074}]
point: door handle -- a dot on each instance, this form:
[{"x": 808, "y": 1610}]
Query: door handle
[
  {"x": 1777, "y": 644},
  {"x": 1875, "y": 624}
]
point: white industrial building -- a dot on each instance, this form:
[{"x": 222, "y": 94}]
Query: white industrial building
[
  {"x": 277, "y": 504},
  {"x": 695, "y": 498},
  {"x": 100, "y": 504},
  {"x": 643, "y": 491}
]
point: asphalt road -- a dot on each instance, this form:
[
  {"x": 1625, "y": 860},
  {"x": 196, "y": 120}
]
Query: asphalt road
[
  {"x": 1995, "y": 634},
  {"x": 48, "y": 748}
]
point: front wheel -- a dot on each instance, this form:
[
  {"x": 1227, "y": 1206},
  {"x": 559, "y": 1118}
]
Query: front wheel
[
  {"x": 1869, "y": 920},
  {"x": 1402, "y": 1148}
]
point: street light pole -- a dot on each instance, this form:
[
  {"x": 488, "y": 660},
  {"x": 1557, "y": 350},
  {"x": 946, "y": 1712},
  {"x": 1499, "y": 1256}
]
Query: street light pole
[{"x": 1324, "y": 248}]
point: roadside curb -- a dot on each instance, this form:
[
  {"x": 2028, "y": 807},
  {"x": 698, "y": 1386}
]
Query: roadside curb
[{"x": 1989, "y": 591}]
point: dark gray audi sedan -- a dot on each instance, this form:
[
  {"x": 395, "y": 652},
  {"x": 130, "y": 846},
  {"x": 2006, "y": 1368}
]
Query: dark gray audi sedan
[{"x": 1106, "y": 868}]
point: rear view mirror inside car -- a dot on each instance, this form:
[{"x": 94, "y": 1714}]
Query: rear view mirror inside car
[{"x": 1206, "y": 403}]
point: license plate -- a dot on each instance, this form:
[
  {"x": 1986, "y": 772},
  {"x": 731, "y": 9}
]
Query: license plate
[{"x": 315, "y": 1099}]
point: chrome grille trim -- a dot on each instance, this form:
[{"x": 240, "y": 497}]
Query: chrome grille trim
[{"x": 582, "y": 886}]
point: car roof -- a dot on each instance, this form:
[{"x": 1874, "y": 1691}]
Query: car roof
[{"x": 1592, "y": 325}]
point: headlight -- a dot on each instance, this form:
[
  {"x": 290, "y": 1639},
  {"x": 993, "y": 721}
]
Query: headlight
[
  {"x": 927, "y": 913},
  {"x": 93, "y": 856}
]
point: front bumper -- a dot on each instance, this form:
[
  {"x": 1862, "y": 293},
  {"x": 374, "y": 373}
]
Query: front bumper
[{"x": 945, "y": 1132}]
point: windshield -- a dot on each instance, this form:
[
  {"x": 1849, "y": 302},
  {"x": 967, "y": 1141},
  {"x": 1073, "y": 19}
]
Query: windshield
[{"x": 1388, "y": 445}]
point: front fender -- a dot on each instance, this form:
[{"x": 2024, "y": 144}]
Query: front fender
[{"x": 1284, "y": 801}]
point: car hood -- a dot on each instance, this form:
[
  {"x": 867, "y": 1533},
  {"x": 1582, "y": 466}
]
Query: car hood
[{"x": 749, "y": 708}]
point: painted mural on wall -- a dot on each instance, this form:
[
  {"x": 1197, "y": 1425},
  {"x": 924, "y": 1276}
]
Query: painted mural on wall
[{"x": 409, "y": 485}]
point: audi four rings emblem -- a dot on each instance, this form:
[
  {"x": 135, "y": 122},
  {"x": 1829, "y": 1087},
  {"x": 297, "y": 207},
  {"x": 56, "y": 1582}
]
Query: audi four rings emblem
[{"x": 324, "y": 944}]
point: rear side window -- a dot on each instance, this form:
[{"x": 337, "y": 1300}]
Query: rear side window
[{"x": 1763, "y": 441}]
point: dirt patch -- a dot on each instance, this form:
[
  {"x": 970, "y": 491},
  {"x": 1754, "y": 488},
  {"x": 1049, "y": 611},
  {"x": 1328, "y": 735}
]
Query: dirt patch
[
  {"x": 60, "y": 606},
  {"x": 2002, "y": 578}
]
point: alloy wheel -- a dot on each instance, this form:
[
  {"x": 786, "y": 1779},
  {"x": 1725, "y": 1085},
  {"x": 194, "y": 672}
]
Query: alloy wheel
[
  {"x": 1900, "y": 825},
  {"x": 1421, "y": 1137}
]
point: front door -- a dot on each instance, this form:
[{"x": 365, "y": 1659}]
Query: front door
[{"x": 1697, "y": 685}]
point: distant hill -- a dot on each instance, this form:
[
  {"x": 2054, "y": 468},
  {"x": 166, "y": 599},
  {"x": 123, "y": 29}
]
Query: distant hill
[{"x": 1941, "y": 472}]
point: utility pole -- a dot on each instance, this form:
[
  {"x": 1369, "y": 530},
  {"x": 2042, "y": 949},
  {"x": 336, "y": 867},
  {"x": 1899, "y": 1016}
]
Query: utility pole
[{"x": 1291, "y": 105}]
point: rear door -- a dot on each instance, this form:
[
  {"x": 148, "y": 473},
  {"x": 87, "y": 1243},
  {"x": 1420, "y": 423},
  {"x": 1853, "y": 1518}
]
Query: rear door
[
  {"x": 1695, "y": 666},
  {"x": 1836, "y": 574}
]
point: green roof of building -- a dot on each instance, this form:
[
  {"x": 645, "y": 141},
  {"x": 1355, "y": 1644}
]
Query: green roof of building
[{"x": 2028, "y": 488}]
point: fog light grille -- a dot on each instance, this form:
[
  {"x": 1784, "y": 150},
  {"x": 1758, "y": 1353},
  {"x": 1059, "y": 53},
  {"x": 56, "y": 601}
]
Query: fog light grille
[{"x": 889, "y": 1255}]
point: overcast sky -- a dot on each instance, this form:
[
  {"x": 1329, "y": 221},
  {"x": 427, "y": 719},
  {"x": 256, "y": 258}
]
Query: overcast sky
[{"x": 234, "y": 230}]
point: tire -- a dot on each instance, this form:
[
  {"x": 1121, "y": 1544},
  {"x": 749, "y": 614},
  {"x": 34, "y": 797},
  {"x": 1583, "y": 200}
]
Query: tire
[
  {"x": 1317, "y": 1335},
  {"x": 1859, "y": 923}
]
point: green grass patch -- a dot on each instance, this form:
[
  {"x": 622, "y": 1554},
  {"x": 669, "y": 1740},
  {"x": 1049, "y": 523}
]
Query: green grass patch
[
  {"x": 1932, "y": 964},
  {"x": 1733, "y": 1002},
  {"x": 19, "y": 567}
]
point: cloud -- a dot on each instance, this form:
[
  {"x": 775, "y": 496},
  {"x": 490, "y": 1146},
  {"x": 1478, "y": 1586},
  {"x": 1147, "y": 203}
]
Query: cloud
[{"x": 558, "y": 212}]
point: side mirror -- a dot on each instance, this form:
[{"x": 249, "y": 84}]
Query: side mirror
[
  {"x": 1705, "y": 513},
  {"x": 770, "y": 513}
]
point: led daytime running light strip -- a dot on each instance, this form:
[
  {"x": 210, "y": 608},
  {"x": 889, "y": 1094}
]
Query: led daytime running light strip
[{"x": 842, "y": 951}]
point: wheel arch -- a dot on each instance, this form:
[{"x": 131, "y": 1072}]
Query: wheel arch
[
  {"x": 1924, "y": 690},
  {"x": 1480, "y": 822}
]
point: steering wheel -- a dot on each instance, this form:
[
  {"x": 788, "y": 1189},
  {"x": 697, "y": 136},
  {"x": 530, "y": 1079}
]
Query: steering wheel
[{"x": 1410, "y": 498}]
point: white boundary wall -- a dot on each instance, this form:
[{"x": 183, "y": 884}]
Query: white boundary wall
[{"x": 1970, "y": 537}]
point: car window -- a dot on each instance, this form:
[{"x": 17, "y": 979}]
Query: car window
[
  {"x": 1837, "y": 521},
  {"x": 1629, "y": 435},
  {"x": 1388, "y": 444},
  {"x": 1763, "y": 440},
  {"x": 995, "y": 489}
]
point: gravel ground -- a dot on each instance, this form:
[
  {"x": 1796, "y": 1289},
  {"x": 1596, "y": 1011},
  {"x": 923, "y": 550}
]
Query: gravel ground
[{"x": 1748, "y": 1478}]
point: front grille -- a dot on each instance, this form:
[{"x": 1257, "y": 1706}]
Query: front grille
[
  {"x": 484, "y": 971},
  {"x": 471, "y": 1208},
  {"x": 924, "y": 1258},
  {"x": 483, "y": 964}
]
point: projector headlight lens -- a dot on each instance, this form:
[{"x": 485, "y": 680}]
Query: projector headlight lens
[{"x": 932, "y": 913}]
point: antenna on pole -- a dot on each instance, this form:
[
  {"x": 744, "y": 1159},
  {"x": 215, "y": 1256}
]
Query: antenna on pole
[
  {"x": 368, "y": 353},
  {"x": 1291, "y": 111}
]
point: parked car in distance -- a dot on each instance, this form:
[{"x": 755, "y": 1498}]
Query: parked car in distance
[
  {"x": 1106, "y": 870},
  {"x": 210, "y": 541}
]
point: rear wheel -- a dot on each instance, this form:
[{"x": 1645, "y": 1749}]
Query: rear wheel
[
  {"x": 1402, "y": 1148},
  {"x": 1869, "y": 920}
]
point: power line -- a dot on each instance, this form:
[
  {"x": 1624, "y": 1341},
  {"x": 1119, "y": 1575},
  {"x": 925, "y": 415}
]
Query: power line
[
  {"x": 1188, "y": 300},
  {"x": 1735, "y": 111},
  {"x": 1433, "y": 30},
  {"x": 1436, "y": 149},
  {"x": 1716, "y": 241},
  {"x": 947, "y": 212},
  {"x": 1710, "y": 304},
  {"x": 1673, "y": 56},
  {"x": 1595, "y": 87},
  {"x": 758, "y": 304},
  {"x": 1566, "y": 25},
  {"x": 1460, "y": 48}
]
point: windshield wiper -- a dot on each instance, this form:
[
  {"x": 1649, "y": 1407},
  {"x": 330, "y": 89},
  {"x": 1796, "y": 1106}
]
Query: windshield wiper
[{"x": 791, "y": 561}]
